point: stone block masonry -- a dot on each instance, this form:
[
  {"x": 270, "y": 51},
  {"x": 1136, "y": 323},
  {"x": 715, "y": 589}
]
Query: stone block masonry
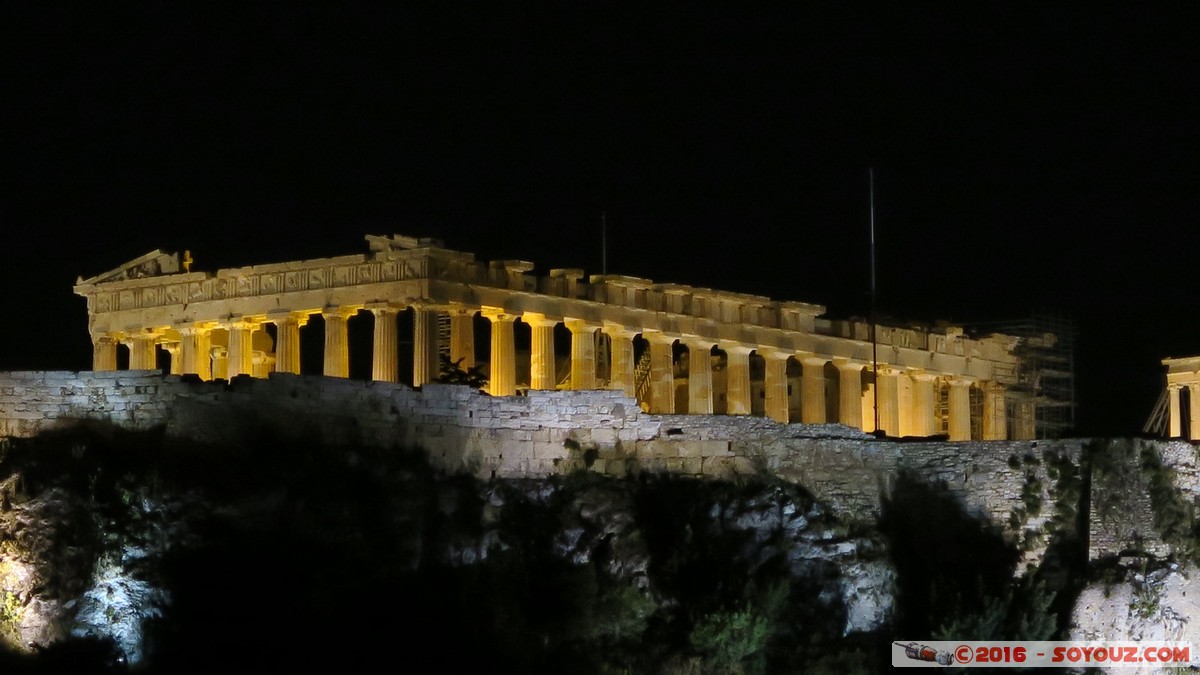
[{"x": 544, "y": 433}]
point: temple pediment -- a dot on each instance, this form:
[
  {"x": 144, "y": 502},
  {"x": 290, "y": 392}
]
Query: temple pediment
[{"x": 153, "y": 264}]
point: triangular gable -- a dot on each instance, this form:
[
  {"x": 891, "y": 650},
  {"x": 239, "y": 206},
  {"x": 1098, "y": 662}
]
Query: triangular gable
[{"x": 153, "y": 264}]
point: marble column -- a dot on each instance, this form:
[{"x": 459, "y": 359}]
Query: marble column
[
  {"x": 1175, "y": 430},
  {"x": 543, "y": 373},
  {"x": 143, "y": 355},
  {"x": 384, "y": 359},
  {"x": 462, "y": 337},
  {"x": 583, "y": 354},
  {"x": 775, "y": 382},
  {"x": 812, "y": 390},
  {"x": 220, "y": 362},
  {"x": 173, "y": 349},
  {"x": 850, "y": 405},
  {"x": 1024, "y": 427},
  {"x": 503, "y": 357},
  {"x": 623, "y": 366},
  {"x": 888, "y": 381},
  {"x": 287, "y": 339},
  {"x": 425, "y": 345},
  {"x": 904, "y": 401},
  {"x": 924, "y": 407},
  {"x": 262, "y": 364},
  {"x": 700, "y": 399},
  {"x": 241, "y": 348},
  {"x": 662, "y": 372},
  {"x": 960, "y": 409},
  {"x": 1193, "y": 411},
  {"x": 104, "y": 353},
  {"x": 337, "y": 342},
  {"x": 737, "y": 384},
  {"x": 995, "y": 418}
]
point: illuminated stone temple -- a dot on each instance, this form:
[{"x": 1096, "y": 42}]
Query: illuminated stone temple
[
  {"x": 1177, "y": 414},
  {"x": 676, "y": 349}
]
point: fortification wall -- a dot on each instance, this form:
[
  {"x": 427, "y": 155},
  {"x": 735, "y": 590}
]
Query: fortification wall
[{"x": 546, "y": 433}]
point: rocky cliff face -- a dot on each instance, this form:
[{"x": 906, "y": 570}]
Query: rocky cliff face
[
  {"x": 124, "y": 551},
  {"x": 119, "y": 551}
]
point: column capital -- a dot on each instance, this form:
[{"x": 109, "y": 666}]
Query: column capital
[
  {"x": 458, "y": 309},
  {"x": 142, "y": 334},
  {"x": 301, "y": 318},
  {"x": 536, "y": 320},
  {"x": 197, "y": 327},
  {"x": 498, "y": 315},
  {"x": 961, "y": 381},
  {"x": 618, "y": 330},
  {"x": 812, "y": 360},
  {"x": 378, "y": 308},
  {"x": 774, "y": 353},
  {"x": 242, "y": 322},
  {"x": 698, "y": 342},
  {"x": 741, "y": 350},
  {"x": 581, "y": 325},
  {"x": 658, "y": 337},
  {"x": 338, "y": 312},
  {"x": 847, "y": 364}
]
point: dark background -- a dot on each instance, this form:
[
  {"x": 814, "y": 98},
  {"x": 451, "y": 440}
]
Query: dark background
[{"x": 1026, "y": 157}]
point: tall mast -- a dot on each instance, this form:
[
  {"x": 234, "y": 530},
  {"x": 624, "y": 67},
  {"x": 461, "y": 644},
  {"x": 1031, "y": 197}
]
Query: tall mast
[
  {"x": 604, "y": 242},
  {"x": 874, "y": 342}
]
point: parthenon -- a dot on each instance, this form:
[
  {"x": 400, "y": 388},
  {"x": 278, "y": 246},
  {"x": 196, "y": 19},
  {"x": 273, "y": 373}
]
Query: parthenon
[{"x": 675, "y": 348}]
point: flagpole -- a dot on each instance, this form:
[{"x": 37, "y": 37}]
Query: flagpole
[{"x": 874, "y": 342}]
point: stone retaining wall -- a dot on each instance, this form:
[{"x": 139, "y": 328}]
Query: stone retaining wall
[{"x": 544, "y": 433}]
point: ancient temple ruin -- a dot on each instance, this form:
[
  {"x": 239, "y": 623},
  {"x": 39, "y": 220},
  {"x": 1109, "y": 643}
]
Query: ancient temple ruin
[
  {"x": 675, "y": 348},
  {"x": 1177, "y": 413}
]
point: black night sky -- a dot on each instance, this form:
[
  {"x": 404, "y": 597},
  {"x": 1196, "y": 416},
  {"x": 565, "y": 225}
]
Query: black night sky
[{"x": 1026, "y": 157}]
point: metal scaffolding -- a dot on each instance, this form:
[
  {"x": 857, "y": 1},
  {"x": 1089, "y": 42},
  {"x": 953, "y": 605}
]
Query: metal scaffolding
[{"x": 1045, "y": 376}]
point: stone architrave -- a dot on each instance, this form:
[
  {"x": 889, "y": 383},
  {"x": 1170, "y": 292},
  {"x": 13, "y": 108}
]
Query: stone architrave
[
  {"x": 662, "y": 373},
  {"x": 384, "y": 359},
  {"x": 542, "y": 362},
  {"x": 737, "y": 384},
  {"x": 960, "y": 409},
  {"x": 850, "y": 404},
  {"x": 583, "y": 353},
  {"x": 812, "y": 389},
  {"x": 623, "y": 367},
  {"x": 337, "y": 342},
  {"x": 700, "y": 374},
  {"x": 503, "y": 358},
  {"x": 775, "y": 382},
  {"x": 104, "y": 353}
]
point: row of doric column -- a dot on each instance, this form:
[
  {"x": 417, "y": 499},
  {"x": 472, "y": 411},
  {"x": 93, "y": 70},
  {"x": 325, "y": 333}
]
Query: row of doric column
[
  {"x": 1176, "y": 413},
  {"x": 908, "y": 400}
]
